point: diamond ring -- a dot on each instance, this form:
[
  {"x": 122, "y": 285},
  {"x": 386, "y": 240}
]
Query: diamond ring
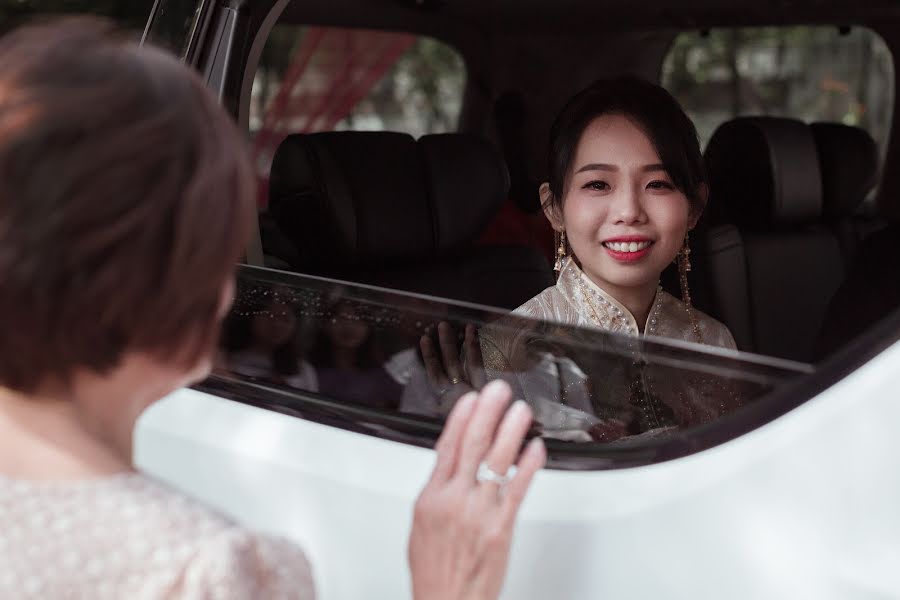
[{"x": 485, "y": 473}]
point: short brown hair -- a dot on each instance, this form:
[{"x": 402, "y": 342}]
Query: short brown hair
[{"x": 125, "y": 200}]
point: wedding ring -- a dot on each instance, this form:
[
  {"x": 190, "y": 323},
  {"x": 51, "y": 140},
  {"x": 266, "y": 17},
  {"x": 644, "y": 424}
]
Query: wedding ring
[
  {"x": 455, "y": 380},
  {"x": 485, "y": 473}
]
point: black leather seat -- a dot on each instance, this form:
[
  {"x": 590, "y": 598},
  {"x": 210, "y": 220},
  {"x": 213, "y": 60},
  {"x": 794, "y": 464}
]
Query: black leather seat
[
  {"x": 848, "y": 161},
  {"x": 870, "y": 293},
  {"x": 772, "y": 264},
  {"x": 384, "y": 209},
  {"x": 848, "y": 158}
]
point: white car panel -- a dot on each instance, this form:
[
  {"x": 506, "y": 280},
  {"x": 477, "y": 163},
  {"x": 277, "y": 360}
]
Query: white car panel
[{"x": 803, "y": 507}]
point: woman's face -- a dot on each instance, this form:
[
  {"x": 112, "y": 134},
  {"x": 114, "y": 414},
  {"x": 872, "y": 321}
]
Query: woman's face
[
  {"x": 274, "y": 327},
  {"x": 346, "y": 331},
  {"x": 624, "y": 219}
]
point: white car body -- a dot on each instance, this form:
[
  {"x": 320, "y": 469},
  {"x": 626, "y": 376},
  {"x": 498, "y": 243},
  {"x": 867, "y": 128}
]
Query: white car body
[{"x": 805, "y": 506}]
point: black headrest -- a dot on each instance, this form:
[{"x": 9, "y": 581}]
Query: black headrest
[
  {"x": 356, "y": 198},
  {"x": 764, "y": 171},
  {"x": 848, "y": 160},
  {"x": 467, "y": 183}
]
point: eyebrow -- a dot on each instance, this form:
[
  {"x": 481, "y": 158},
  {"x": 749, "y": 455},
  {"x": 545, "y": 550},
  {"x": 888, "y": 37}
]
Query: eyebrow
[{"x": 607, "y": 167}]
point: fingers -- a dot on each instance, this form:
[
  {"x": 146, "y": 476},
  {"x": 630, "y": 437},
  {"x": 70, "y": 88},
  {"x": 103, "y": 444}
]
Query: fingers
[
  {"x": 449, "y": 350},
  {"x": 509, "y": 438},
  {"x": 447, "y": 398},
  {"x": 433, "y": 366},
  {"x": 448, "y": 445},
  {"x": 479, "y": 433},
  {"x": 460, "y": 539},
  {"x": 533, "y": 458},
  {"x": 474, "y": 361}
]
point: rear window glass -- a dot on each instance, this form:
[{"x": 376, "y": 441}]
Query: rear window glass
[
  {"x": 392, "y": 365},
  {"x": 843, "y": 75},
  {"x": 173, "y": 23},
  {"x": 323, "y": 78}
]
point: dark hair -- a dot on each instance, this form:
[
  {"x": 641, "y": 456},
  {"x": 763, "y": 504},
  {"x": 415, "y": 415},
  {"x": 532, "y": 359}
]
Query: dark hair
[
  {"x": 652, "y": 108},
  {"x": 237, "y": 330},
  {"x": 125, "y": 200},
  {"x": 369, "y": 354}
]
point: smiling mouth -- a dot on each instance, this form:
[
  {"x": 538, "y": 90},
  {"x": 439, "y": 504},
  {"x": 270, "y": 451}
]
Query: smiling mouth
[{"x": 627, "y": 247}]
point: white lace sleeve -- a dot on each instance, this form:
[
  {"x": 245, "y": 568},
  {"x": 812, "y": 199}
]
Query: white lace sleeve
[{"x": 239, "y": 565}]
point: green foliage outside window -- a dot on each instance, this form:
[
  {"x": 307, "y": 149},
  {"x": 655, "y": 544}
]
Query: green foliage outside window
[
  {"x": 421, "y": 93},
  {"x": 809, "y": 73}
]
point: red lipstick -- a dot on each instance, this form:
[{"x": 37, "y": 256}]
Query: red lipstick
[{"x": 625, "y": 255}]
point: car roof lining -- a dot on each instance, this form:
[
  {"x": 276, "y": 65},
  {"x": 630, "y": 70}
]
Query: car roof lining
[{"x": 585, "y": 16}]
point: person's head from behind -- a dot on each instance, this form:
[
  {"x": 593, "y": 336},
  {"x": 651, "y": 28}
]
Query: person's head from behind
[
  {"x": 125, "y": 201},
  {"x": 626, "y": 181}
]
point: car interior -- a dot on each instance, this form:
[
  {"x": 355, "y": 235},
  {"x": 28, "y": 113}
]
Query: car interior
[
  {"x": 791, "y": 201},
  {"x": 385, "y": 209},
  {"x": 399, "y": 146}
]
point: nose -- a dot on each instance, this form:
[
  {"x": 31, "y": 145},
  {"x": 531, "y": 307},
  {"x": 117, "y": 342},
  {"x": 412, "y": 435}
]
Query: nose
[{"x": 628, "y": 206}]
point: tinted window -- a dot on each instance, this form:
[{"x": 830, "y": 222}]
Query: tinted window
[
  {"x": 392, "y": 364},
  {"x": 808, "y": 73},
  {"x": 173, "y": 23},
  {"x": 323, "y": 78}
]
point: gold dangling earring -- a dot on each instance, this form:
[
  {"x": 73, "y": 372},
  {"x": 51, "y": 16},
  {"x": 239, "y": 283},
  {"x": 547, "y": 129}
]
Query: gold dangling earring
[
  {"x": 684, "y": 266},
  {"x": 561, "y": 250}
]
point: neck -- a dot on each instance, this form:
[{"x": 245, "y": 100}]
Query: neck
[
  {"x": 640, "y": 302},
  {"x": 43, "y": 437},
  {"x": 637, "y": 299},
  {"x": 82, "y": 431}
]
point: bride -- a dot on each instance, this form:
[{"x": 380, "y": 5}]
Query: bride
[{"x": 626, "y": 186}]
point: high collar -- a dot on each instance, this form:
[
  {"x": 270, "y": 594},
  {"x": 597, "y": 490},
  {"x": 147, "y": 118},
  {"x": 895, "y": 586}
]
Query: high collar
[{"x": 601, "y": 308}]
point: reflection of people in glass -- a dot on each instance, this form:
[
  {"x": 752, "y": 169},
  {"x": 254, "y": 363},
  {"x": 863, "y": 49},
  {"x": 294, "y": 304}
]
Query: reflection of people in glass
[
  {"x": 626, "y": 186},
  {"x": 449, "y": 369},
  {"x": 260, "y": 339},
  {"x": 349, "y": 361}
]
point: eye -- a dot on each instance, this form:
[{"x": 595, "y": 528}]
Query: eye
[
  {"x": 596, "y": 185},
  {"x": 659, "y": 184}
]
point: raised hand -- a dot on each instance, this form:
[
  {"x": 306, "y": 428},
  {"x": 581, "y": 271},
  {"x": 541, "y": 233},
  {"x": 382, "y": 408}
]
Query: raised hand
[{"x": 464, "y": 517}]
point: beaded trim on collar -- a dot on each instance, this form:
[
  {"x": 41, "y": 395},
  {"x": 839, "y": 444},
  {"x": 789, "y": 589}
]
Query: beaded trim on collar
[{"x": 616, "y": 316}]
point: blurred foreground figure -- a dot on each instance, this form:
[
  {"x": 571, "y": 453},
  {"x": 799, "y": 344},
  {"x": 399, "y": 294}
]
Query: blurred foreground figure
[{"x": 125, "y": 200}]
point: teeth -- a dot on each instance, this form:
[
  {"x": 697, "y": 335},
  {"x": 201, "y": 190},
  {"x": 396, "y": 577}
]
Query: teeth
[{"x": 627, "y": 246}]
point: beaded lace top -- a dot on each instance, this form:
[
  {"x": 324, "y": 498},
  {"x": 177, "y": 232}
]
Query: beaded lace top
[
  {"x": 571, "y": 394},
  {"x": 126, "y": 536}
]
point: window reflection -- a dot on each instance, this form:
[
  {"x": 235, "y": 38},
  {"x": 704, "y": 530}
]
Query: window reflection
[
  {"x": 351, "y": 359},
  {"x": 399, "y": 354},
  {"x": 262, "y": 339},
  {"x": 173, "y": 24}
]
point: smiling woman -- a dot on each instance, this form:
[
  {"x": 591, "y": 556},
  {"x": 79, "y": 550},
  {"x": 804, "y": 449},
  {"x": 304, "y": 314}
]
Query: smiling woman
[{"x": 626, "y": 186}]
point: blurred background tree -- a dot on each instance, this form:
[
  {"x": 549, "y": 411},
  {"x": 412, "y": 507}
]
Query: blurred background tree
[
  {"x": 420, "y": 92},
  {"x": 811, "y": 73}
]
